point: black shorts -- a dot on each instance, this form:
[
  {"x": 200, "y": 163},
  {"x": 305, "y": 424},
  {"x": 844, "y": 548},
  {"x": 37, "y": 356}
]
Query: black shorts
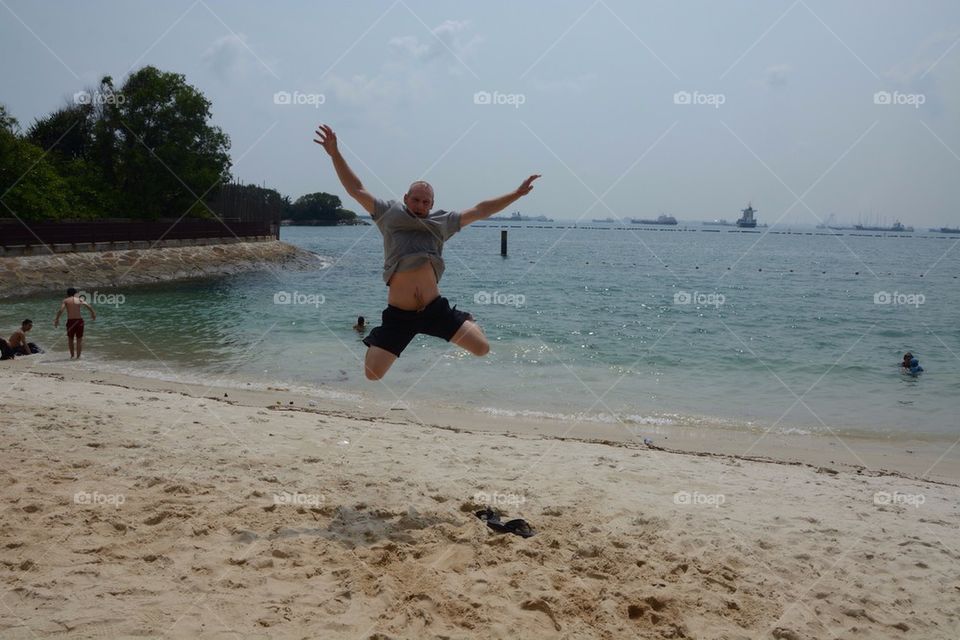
[{"x": 398, "y": 326}]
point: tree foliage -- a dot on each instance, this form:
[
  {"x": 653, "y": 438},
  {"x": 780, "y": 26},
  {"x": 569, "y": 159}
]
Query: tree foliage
[{"x": 143, "y": 150}]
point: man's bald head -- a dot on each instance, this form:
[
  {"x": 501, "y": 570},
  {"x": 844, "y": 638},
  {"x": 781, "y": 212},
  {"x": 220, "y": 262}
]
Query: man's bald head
[{"x": 419, "y": 198}]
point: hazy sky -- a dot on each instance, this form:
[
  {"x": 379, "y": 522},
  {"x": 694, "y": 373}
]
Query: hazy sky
[{"x": 782, "y": 101}]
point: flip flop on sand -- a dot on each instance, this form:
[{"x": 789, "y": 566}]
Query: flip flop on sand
[{"x": 517, "y": 527}]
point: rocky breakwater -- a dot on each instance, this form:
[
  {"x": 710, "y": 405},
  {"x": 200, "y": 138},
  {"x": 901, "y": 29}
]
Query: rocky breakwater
[{"x": 25, "y": 275}]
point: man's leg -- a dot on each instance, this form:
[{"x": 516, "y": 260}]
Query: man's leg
[
  {"x": 377, "y": 362},
  {"x": 70, "y": 342},
  {"x": 471, "y": 337},
  {"x": 79, "y": 346}
]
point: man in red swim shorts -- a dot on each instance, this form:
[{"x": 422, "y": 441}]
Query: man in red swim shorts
[{"x": 73, "y": 305}]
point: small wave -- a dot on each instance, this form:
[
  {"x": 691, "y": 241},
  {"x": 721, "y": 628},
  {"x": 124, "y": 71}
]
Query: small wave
[
  {"x": 202, "y": 380},
  {"x": 325, "y": 261},
  {"x": 793, "y": 431},
  {"x": 603, "y": 418}
]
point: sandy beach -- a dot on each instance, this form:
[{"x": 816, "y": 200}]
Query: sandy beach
[{"x": 138, "y": 508}]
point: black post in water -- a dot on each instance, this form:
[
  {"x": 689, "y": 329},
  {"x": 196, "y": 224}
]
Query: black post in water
[{"x": 503, "y": 242}]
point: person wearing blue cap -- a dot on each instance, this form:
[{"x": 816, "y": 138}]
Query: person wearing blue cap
[{"x": 915, "y": 368}]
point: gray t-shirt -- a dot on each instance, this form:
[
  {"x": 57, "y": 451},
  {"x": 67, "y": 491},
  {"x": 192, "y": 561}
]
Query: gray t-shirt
[{"x": 409, "y": 241}]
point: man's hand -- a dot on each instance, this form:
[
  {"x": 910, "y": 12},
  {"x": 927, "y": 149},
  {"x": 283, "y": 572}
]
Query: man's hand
[
  {"x": 327, "y": 139},
  {"x": 527, "y": 185},
  {"x": 489, "y": 207}
]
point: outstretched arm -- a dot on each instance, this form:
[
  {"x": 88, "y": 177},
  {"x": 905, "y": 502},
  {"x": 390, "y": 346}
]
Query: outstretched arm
[
  {"x": 328, "y": 140},
  {"x": 489, "y": 207}
]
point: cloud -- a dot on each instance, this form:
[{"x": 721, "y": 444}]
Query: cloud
[
  {"x": 928, "y": 58},
  {"x": 778, "y": 74},
  {"x": 448, "y": 43},
  {"x": 409, "y": 46},
  {"x": 226, "y": 55},
  {"x": 407, "y": 77}
]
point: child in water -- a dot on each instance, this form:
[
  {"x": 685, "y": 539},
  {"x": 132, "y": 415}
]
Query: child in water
[
  {"x": 910, "y": 365},
  {"x": 915, "y": 368}
]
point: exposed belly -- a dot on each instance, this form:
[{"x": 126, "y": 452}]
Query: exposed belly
[{"x": 414, "y": 289}]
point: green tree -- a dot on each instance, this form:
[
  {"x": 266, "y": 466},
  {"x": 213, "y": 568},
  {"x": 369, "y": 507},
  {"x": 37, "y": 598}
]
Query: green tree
[
  {"x": 30, "y": 186},
  {"x": 67, "y": 132},
  {"x": 167, "y": 153},
  {"x": 7, "y": 121},
  {"x": 320, "y": 207}
]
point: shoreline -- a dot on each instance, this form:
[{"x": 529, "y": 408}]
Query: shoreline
[{"x": 934, "y": 460}]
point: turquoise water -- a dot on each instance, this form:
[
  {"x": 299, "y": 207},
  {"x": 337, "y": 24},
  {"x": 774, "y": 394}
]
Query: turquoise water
[{"x": 781, "y": 330}]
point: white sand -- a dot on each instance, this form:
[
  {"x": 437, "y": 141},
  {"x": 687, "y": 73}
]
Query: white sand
[{"x": 146, "y": 513}]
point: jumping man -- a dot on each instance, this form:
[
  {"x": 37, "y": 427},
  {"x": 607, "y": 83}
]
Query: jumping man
[{"x": 413, "y": 264}]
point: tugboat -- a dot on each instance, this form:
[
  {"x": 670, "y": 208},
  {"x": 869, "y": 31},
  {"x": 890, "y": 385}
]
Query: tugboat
[
  {"x": 661, "y": 219},
  {"x": 747, "y": 221},
  {"x": 717, "y": 223},
  {"x": 897, "y": 227},
  {"x": 516, "y": 217}
]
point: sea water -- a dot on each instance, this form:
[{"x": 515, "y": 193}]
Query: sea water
[{"x": 797, "y": 332}]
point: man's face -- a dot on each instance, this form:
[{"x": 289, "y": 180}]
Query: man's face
[
  {"x": 419, "y": 200},
  {"x": 26, "y": 327}
]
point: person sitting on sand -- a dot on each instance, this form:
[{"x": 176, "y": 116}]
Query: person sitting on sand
[
  {"x": 73, "y": 305},
  {"x": 413, "y": 264},
  {"x": 18, "y": 344},
  {"x": 361, "y": 326}
]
